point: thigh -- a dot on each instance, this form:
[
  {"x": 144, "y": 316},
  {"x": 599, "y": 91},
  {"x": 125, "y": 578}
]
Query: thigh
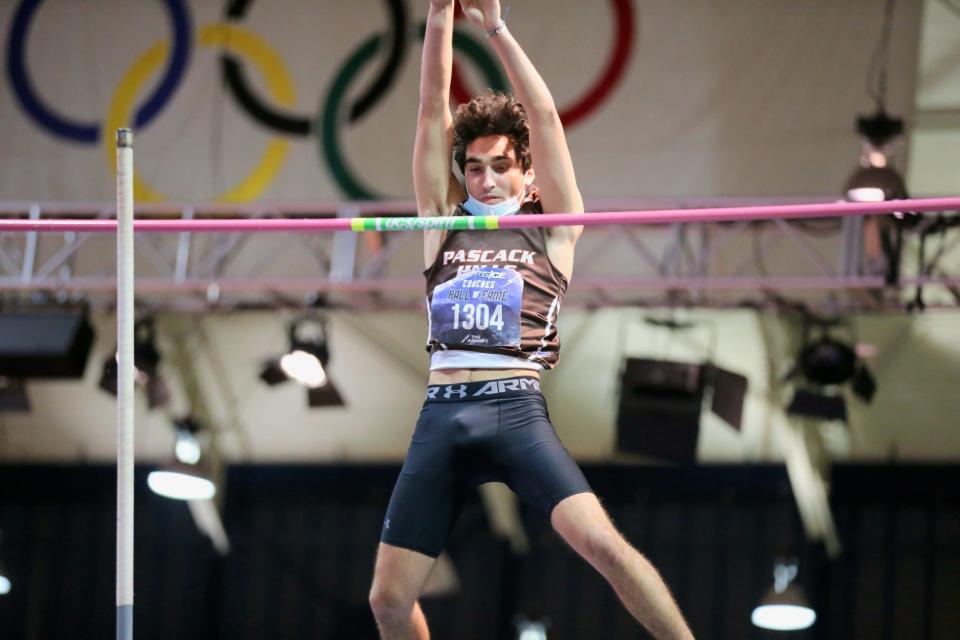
[
  {"x": 584, "y": 524},
  {"x": 539, "y": 468},
  {"x": 426, "y": 497},
  {"x": 578, "y": 514}
]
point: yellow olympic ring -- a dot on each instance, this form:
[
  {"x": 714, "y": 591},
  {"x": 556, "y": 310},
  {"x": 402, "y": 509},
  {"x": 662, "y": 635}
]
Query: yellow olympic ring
[{"x": 236, "y": 40}]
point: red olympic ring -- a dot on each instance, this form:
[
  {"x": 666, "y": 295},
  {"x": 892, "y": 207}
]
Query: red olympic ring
[{"x": 602, "y": 88}]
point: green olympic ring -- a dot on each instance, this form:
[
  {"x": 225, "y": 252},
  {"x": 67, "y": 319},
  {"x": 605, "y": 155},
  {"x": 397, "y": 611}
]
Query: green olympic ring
[{"x": 333, "y": 113}]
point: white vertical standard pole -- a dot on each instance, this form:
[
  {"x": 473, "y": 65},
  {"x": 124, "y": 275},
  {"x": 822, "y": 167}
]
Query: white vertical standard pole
[{"x": 125, "y": 373}]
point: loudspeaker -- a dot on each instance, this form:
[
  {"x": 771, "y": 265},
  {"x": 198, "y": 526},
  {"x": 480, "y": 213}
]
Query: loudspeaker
[
  {"x": 659, "y": 409},
  {"x": 44, "y": 344}
]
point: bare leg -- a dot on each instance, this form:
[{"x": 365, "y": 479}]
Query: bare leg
[
  {"x": 397, "y": 580},
  {"x": 585, "y": 526}
]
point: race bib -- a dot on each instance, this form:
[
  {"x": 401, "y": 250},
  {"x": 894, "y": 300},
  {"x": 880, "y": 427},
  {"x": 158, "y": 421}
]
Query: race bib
[{"x": 478, "y": 308}]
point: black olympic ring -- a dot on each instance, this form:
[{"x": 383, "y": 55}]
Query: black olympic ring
[{"x": 273, "y": 119}]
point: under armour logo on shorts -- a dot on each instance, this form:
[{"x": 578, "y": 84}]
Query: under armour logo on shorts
[{"x": 460, "y": 390}]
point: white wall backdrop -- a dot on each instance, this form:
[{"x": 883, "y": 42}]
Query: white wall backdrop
[{"x": 744, "y": 97}]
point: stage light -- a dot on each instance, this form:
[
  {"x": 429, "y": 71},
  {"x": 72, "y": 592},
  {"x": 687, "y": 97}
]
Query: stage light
[
  {"x": 182, "y": 482},
  {"x": 146, "y": 362},
  {"x": 875, "y": 180},
  {"x": 826, "y": 364},
  {"x": 784, "y": 607},
  {"x": 187, "y": 447},
  {"x": 304, "y": 367},
  {"x": 190, "y": 477},
  {"x": 305, "y": 363}
]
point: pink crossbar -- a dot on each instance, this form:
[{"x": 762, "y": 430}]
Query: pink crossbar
[{"x": 657, "y": 216}]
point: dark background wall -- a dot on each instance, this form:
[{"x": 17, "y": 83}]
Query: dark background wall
[{"x": 304, "y": 539}]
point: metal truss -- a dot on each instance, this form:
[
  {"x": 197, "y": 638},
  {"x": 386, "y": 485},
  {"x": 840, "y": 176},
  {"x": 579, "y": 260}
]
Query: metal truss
[{"x": 825, "y": 264}]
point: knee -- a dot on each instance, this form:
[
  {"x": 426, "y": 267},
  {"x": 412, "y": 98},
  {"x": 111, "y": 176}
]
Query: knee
[
  {"x": 389, "y": 603},
  {"x": 605, "y": 548}
]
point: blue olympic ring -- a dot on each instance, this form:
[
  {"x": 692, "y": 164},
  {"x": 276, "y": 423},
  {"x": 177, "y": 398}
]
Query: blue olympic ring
[{"x": 84, "y": 132}]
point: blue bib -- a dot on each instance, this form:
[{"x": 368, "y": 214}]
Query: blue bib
[{"x": 478, "y": 308}]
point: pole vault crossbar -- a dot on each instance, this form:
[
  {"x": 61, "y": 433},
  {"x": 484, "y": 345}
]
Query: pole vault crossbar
[{"x": 481, "y": 223}]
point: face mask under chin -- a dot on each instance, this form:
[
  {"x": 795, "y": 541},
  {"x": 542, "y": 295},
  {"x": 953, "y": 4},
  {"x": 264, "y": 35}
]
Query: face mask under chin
[{"x": 506, "y": 208}]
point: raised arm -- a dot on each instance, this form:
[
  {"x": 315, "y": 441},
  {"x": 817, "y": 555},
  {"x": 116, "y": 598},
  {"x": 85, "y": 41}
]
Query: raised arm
[
  {"x": 432, "y": 176},
  {"x": 548, "y": 144},
  {"x": 436, "y": 188}
]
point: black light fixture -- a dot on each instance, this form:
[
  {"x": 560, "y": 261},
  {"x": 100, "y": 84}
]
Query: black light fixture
[
  {"x": 876, "y": 180},
  {"x": 826, "y": 364},
  {"x": 45, "y": 342},
  {"x": 305, "y": 362},
  {"x": 146, "y": 361}
]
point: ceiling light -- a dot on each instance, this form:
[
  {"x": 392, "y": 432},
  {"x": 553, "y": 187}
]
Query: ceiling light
[
  {"x": 305, "y": 368},
  {"x": 875, "y": 180},
  {"x": 182, "y": 482},
  {"x": 146, "y": 362},
  {"x": 784, "y": 607},
  {"x": 305, "y": 362},
  {"x": 187, "y": 447}
]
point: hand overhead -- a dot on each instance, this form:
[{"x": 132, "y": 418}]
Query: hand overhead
[{"x": 482, "y": 13}]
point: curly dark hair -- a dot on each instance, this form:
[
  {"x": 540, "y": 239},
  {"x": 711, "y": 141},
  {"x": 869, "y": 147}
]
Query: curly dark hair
[{"x": 489, "y": 114}]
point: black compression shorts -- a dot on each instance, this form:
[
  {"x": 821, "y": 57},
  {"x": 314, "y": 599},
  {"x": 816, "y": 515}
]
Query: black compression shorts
[{"x": 468, "y": 434}]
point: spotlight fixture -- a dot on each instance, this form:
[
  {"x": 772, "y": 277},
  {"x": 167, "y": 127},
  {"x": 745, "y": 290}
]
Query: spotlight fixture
[
  {"x": 826, "y": 364},
  {"x": 784, "y": 607},
  {"x": 875, "y": 180},
  {"x": 305, "y": 363},
  {"x": 146, "y": 361},
  {"x": 187, "y": 447},
  {"x": 190, "y": 477},
  {"x": 183, "y": 482}
]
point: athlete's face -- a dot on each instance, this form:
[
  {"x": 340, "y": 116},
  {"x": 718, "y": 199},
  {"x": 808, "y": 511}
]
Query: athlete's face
[{"x": 492, "y": 172}]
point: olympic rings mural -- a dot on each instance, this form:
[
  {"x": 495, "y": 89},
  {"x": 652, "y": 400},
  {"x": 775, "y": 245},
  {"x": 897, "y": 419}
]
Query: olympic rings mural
[{"x": 239, "y": 46}]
